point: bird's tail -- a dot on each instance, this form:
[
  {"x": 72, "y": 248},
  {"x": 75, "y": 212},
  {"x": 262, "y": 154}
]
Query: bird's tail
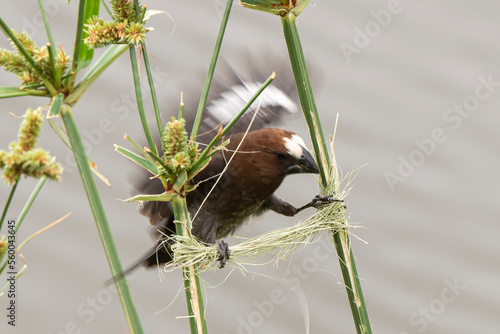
[{"x": 148, "y": 259}]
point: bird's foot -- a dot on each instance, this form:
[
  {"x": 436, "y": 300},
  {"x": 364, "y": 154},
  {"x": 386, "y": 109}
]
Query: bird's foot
[
  {"x": 224, "y": 253},
  {"x": 321, "y": 200}
]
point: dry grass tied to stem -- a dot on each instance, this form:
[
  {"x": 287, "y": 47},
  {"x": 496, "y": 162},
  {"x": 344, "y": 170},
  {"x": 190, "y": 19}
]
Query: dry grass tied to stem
[{"x": 272, "y": 246}]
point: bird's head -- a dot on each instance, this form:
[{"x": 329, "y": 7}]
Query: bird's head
[{"x": 271, "y": 154}]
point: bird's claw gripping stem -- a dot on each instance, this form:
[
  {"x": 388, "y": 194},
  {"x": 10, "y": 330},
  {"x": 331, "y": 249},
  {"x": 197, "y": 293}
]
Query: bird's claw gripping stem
[
  {"x": 224, "y": 253},
  {"x": 321, "y": 200}
]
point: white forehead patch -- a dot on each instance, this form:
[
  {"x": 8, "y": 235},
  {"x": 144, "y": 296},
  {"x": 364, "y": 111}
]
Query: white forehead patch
[{"x": 295, "y": 146}]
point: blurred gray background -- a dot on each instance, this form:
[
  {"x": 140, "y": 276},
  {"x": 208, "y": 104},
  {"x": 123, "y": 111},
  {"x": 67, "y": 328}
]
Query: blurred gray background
[{"x": 418, "y": 92}]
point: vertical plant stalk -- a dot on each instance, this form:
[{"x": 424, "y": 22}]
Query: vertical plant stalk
[
  {"x": 140, "y": 101},
  {"x": 7, "y": 204},
  {"x": 152, "y": 88},
  {"x": 50, "y": 46},
  {"x": 192, "y": 286},
  {"x": 341, "y": 238},
  {"x": 30, "y": 201},
  {"x": 211, "y": 70},
  {"x": 70, "y": 81},
  {"x": 100, "y": 219},
  {"x": 82, "y": 55}
]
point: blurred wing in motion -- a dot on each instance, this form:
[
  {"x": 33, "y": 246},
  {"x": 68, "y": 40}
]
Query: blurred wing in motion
[
  {"x": 229, "y": 93},
  {"x": 231, "y": 90}
]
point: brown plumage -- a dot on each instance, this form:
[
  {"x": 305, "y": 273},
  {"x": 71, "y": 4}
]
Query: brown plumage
[{"x": 246, "y": 188}]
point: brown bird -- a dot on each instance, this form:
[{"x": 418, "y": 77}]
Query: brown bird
[{"x": 261, "y": 159}]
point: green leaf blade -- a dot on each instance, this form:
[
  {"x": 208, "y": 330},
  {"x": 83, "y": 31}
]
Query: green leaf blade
[
  {"x": 111, "y": 54},
  {"x": 6, "y": 92},
  {"x": 163, "y": 197},
  {"x": 55, "y": 108},
  {"x": 85, "y": 54},
  {"x": 50, "y": 46},
  {"x": 143, "y": 162},
  {"x": 101, "y": 220},
  {"x": 211, "y": 70}
]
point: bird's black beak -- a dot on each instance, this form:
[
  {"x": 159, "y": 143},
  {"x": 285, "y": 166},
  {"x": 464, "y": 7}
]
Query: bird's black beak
[{"x": 305, "y": 164}]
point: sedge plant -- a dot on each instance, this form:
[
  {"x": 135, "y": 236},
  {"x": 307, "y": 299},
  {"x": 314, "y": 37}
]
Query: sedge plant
[
  {"x": 51, "y": 73},
  {"x": 288, "y": 10}
]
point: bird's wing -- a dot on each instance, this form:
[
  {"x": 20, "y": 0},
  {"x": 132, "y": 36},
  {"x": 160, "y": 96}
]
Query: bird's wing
[
  {"x": 231, "y": 89},
  {"x": 159, "y": 213}
]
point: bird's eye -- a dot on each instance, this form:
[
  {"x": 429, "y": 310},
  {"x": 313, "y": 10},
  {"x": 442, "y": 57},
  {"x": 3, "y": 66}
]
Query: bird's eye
[{"x": 281, "y": 155}]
